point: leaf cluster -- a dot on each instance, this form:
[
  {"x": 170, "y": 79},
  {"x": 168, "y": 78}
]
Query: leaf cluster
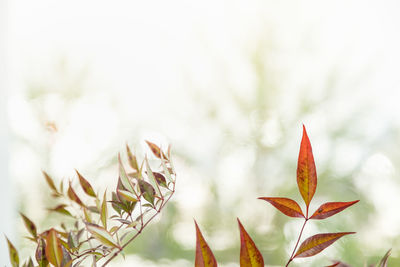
[{"x": 104, "y": 224}]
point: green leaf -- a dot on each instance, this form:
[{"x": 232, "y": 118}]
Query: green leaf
[
  {"x": 127, "y": 195},
  {"x": 102, "y": 235},
  {"x": 86, "y": 185},
  {"x": 104, "y": 213},
  {"x": 147, "y": 190},
  {"x": 160, "y": 178},
  {"x": 29, "y": 225},
  {"x": 61, "y": 209},
  {"x": 73, "y": 241},
  {"x": 14, "y": 258},
  {"x": 152, "y": 178},
  {"x": 126, "y": 182},
  {"x": 54, "y": 253}
]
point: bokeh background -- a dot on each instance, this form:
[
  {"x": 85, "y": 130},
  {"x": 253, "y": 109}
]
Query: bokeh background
[{"x": 228, "y": 84}]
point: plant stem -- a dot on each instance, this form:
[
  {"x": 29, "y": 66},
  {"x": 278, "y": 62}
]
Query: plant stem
[
  {"x": 140, "y": 230},
  {"x": 298, "y": 240}
]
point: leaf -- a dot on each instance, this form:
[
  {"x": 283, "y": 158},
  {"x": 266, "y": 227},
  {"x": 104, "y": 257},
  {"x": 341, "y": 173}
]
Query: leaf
[
  {"x": 204, "y": 255},
  {"x": 29, "y": 263},
  {"x": 127, "y": 195},
  {"x": 61, "y": 209},
  {"x": 14, "y": 258},
  {"x": 331, "y": 208},
  {"x": 40, "y": 253},
  {"x": 50, "y": 182},
  {"x": 155, "y": 149},
  {"x": 306, "y": 172},
  {"x": 126, "y": 182},
  {"x": 147, "y": 190},
  {"x": 250, "y": 256},
  {"x": 333, "y": 265},
  {"x": 73, "y": 196},
  {"x": 152, "y": 178},
  {"x": 102, "y": 235},
  {"x": 132, "y": 159},
  {"x": 104, "y": 213},
  {"x": 73, "y": 241},
  {"x": 384, "y": 261},
  {"x": 316, "y": 243},
  {"x": 287, "y": 206},
  {"x": 160, "y": 179},
  {"x": 29, "y": 225},
  {"x": 86, "y": 185},
  {"x": 54, "y": 253},
  {"x": 66, "y": 260}
]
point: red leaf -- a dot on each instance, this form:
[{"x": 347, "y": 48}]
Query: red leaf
[
  {"x": 316, "y": 243},
  {"x": 204, "y": 255},
  {"x": 53, "y": 248},
  {"x": 250, "y": 256},
  {"x": 86, "y": 185},
  {"x": 287, "y": 206},
  {"x": 331, "y": 208},
  {"x": 306, "y": 172},
  {"x": 73, "y": 196}
]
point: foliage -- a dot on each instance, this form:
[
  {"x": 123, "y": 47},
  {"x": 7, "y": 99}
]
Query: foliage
[
  {"x": 98, "y": 233},
  {"x": 250, "y": 256}
]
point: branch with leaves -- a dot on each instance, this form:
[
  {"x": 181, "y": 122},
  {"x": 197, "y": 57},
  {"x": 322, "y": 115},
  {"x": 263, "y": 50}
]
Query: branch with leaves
[
  {"x": 99, "y": 234},
  {"x": 250, "y": 256}
]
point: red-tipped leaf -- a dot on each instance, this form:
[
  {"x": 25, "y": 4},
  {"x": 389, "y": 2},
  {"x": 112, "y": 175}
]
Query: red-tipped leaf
[
  {"x": 331, "y": 208},
  {"x": 204, "y": 255},
  {"x": 306, "y": 172},
  {"x": 316, "y": 243},
  {"x": 73, "y": 196},
  {"x": 287, "y": 206},
  {"x": 250, "y": 256}
]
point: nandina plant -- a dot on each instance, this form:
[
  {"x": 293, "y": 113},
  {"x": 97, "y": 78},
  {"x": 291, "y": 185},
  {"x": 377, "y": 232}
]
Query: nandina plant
[
  {"x": 97, "y": 233},
  {"x": 250, "y": 256}
]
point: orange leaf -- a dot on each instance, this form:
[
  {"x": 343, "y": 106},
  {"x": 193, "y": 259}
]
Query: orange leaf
[
  {"x": 287, "y": 206},
  {"x": 156, "y": 150},
  {"x": 316, "y": 243},
  {"x": 53, "y": 249},
  {"x": 306, "y": 173},
  {"x": 331, "y": 208},
  {"x": 204, "y": 255},
  {"x": 250, "y": 256}
]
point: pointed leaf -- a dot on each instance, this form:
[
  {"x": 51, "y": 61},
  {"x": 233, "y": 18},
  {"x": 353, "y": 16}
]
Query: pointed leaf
[
  {"x": 315, "y": 244},
  {"x": 104, "y": 213},
  {"x": 384, "y": 261},
  {"x": 66, "y": 260},
  {"x": 127, "y": 195},
  {"x": 250, "y": 256},
  {"x": 306, "y": 172},
  {"x": 155, "y": 149},
  {"x": 331, "y": 208},
  {"x": 102, "y": 235},
  {"x": 86, "y": 185},
  {"x": 287, "y": 206},
  {"x": 40, "y": 253},
  {"x": 126, "y": 182},
  {"x": 61, "y": 209},
  {"x": 73, "y": 196},
  {"x": 151, "y": 177},
  {"x": 29, "y": 225},
  {"x": 204, "y": 255},
  {"x": 54, "y": 253},
  {"x": 14, "y": 258},
  {"x": 132, "y": 159},
  {"x": 50, "y": 182},
  {"x": 147, "y": 190},
  {"x": 160, "y": 179}
]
